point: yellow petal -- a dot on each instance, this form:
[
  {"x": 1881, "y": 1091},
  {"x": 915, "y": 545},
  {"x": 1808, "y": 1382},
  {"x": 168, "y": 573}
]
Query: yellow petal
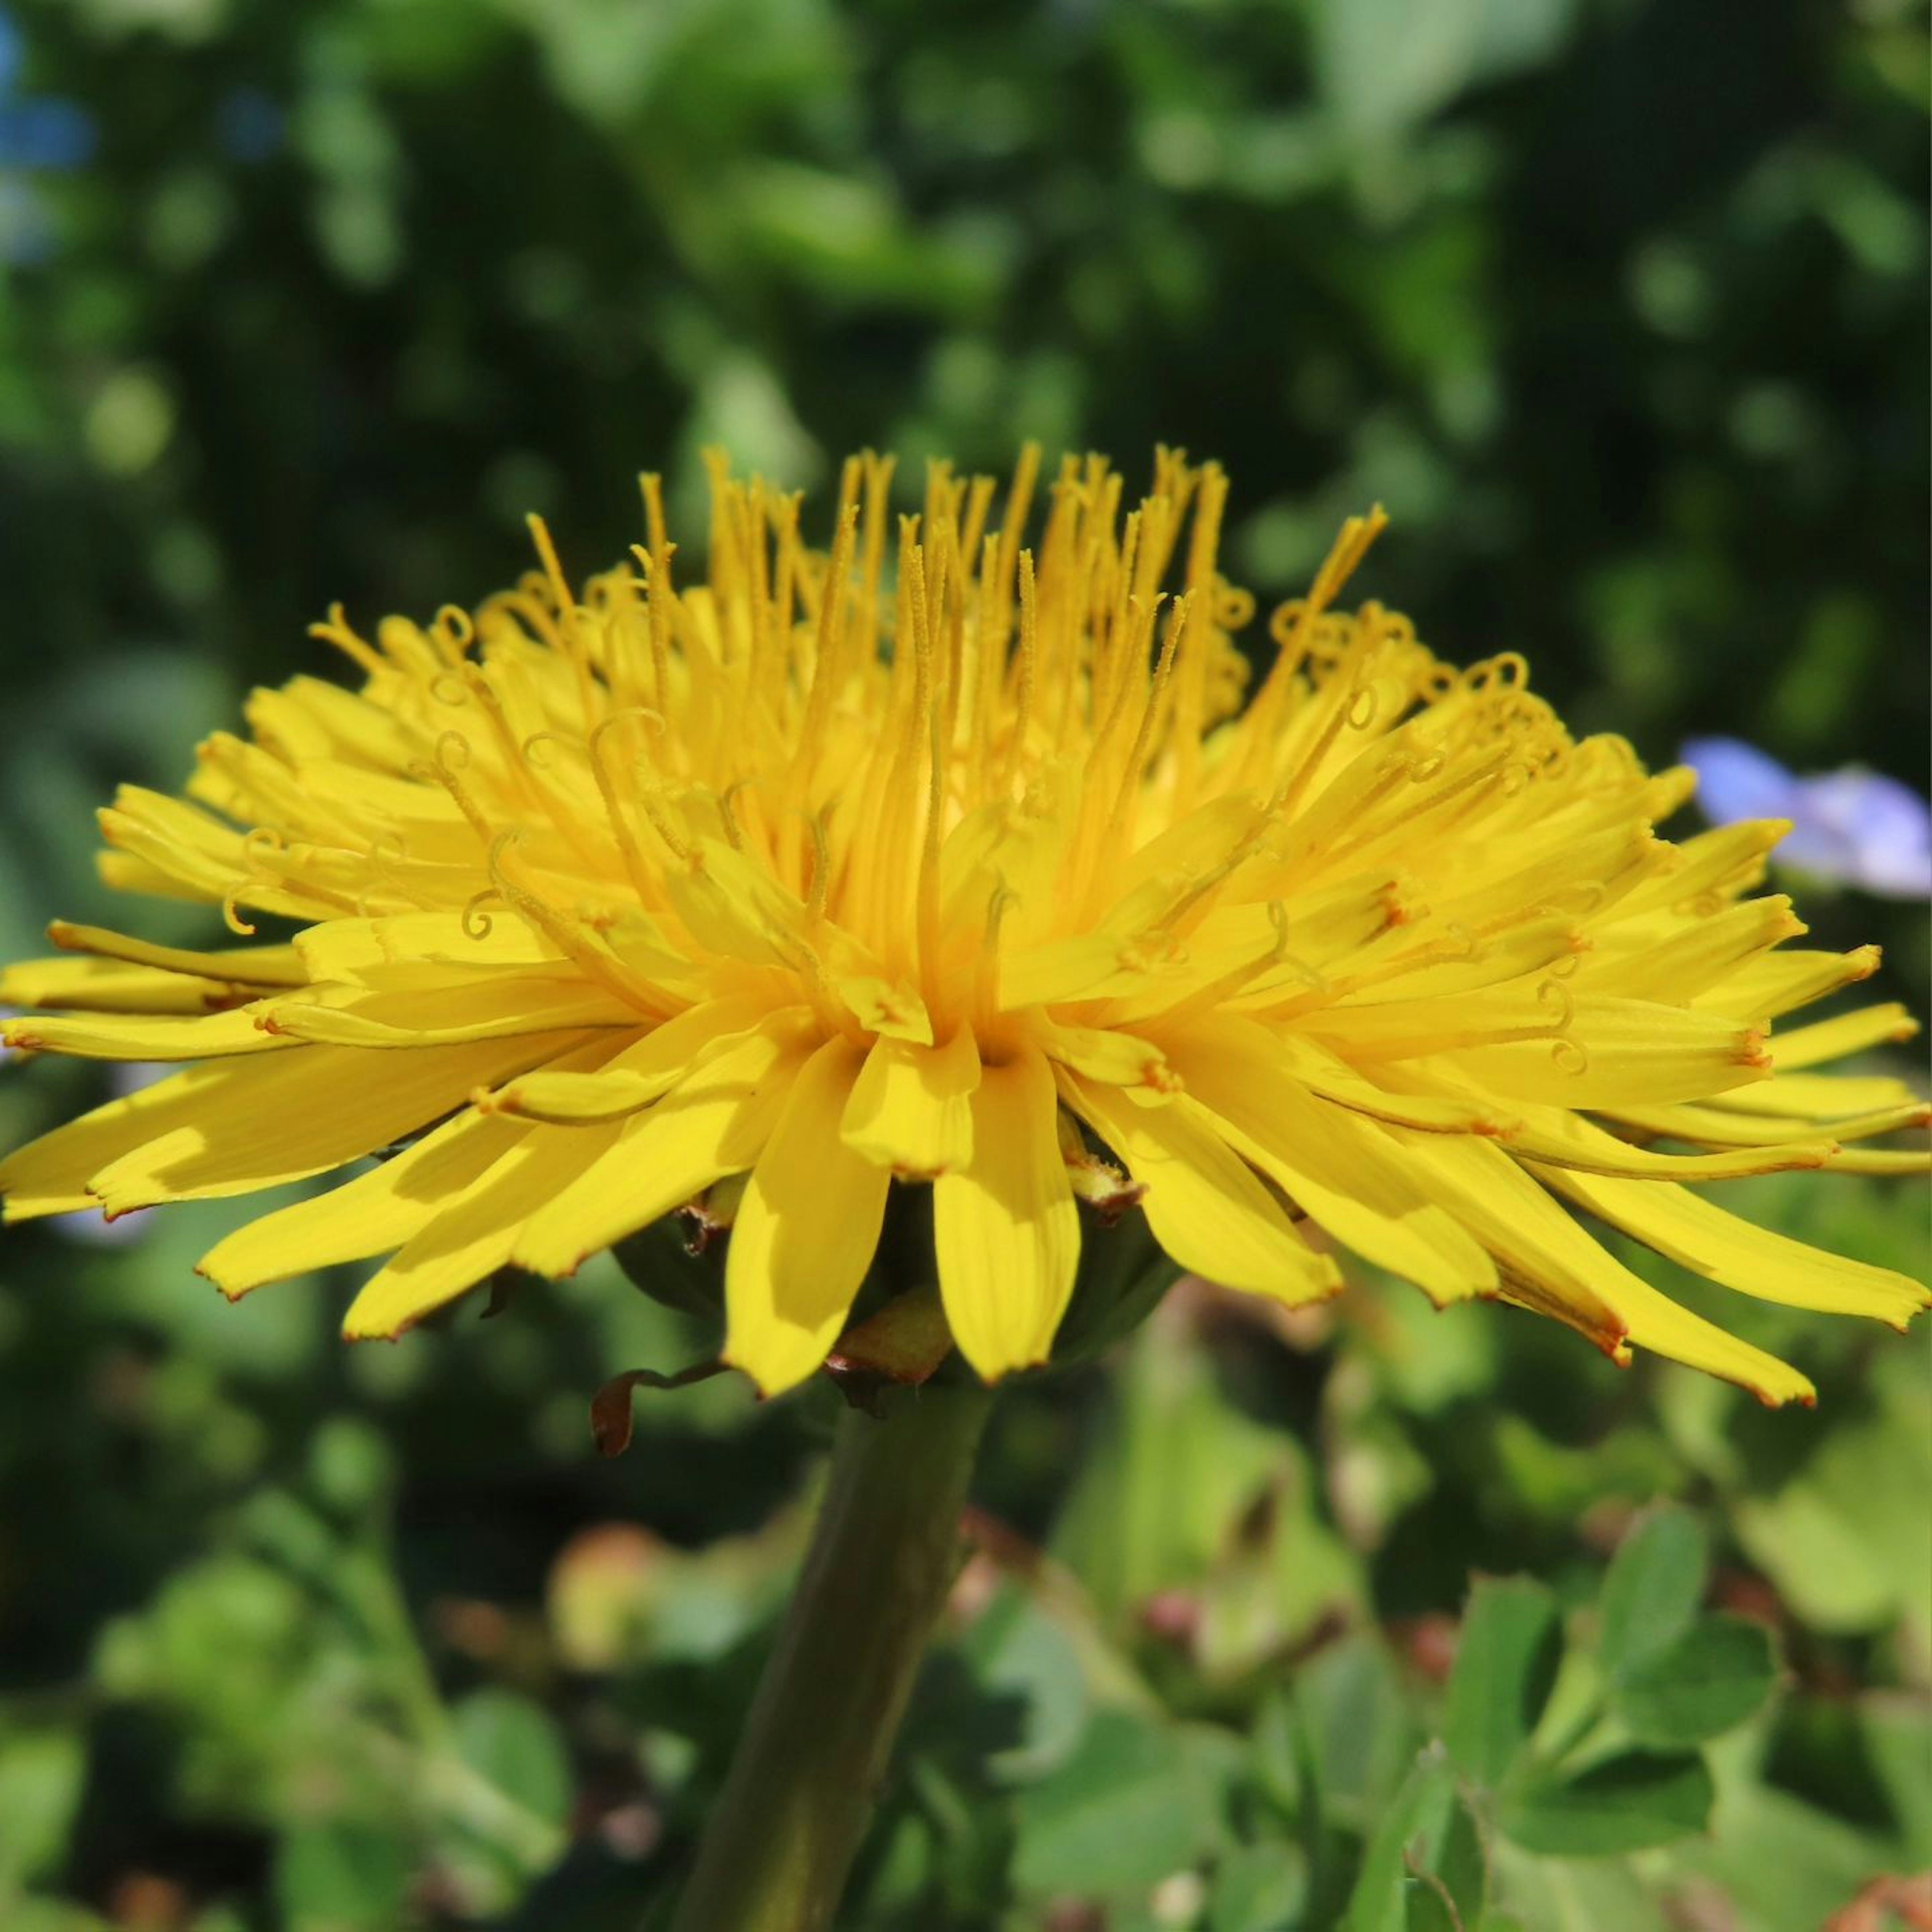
[
  {"x": 344, "y": 949},
  {"x": 1780, "y": 981},
  {"x": 1818, "y": 1097},
  {"x": 910, "y": 1108},
  {"x": 1083, "y": 966},
  {"x": 887, "y": 1007},
  {"x": 1323, "y": 1072},
  {"x": 1203, "y": 1203},
  {"x": 1005, "y": 1228},
  {"x": 211, "y": 1036},
  {"x": 107, "y": 986},
  {"x": 1554, "y": 1266},
  {"x": 1705, "y": 1238},
  {"x": 472, "y": 1236},
  {"x": 1615, "y": 1051},
  {"x": 1105, "y": 1054},
  {"x": 1731, "y": 858},
  {"x": 1522, "y": 1022},
  {"x": 1848, "y": 1032},
  {"x": 49, "y": 1175},
  {"x": 630, "y": 1080},
  {"x": 240, "y": 965},
  {"x": 1554, "y": 1138},
  {"x": 373, "y": 1213},
  {"x": 287, "y": 1116},
  {"x": 713, "y": 1123},
  {"x": 1691, "y": 958},
  {"x": 457, "y": 1010},
  {"x": 805, "y": 1231},
  {"x": 1337, "y": 1166},
  {"x": 1728, "y": 1127}
]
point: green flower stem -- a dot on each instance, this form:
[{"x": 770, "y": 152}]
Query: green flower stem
[{"x": 809, "y": 1767}]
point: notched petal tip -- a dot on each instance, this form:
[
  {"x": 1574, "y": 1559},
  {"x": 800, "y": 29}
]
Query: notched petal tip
[
  {"x": 222, "y": 1287},
  {"x": 365, "y": 1330}
]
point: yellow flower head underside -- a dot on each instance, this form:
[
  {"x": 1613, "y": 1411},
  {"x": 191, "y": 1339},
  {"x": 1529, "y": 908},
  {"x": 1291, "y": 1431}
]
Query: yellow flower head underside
[{"x": 927, "y": 857}]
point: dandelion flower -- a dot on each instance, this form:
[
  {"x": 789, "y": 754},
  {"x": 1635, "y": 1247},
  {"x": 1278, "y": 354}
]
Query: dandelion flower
[{"x": 927, "y": 859}]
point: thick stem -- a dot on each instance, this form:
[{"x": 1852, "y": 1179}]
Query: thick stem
[{"x": 808, "y": 1769}]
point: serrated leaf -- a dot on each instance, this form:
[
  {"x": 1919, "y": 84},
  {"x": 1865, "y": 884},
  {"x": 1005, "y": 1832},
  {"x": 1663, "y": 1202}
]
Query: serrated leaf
[
  {"x": 1713, "y": 1676},
  {"x": 1655, "y": 1583},
  {"x": 1506, "y": 1663},
  {"x": 1627, "y": 1803}
]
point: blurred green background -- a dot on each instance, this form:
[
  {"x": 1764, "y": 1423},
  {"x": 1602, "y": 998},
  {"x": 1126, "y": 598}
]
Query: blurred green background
[{"x": 1619, "y": 305}]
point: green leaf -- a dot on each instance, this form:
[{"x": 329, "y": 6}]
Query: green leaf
[
  {"x": 1570, "y": 1895},
  {"x": 1425, "y": 1870},
  {"x": 1779, "y": 1861},
  {"x": 342, "y": 1877},
  {"x": 1022, "y": 1655},
  {"x": 1358, "y": 1731},
  {"x": 41, "y": 1775},
  {"x": 1258, "y": 1889},
  {"x": 1655, "y": 1583},
  {"x": 514, "y": 1743},
  {"x": 658, "y": 1260},
  {"x": 1136, "y": 1802},
  {"x": 1898, "y": 1734},
  {"x": 1453, "y": 1902},
  {"x": 1411, "y": 1829},
  {"x": 1506, "y": 1662},
  {"x": 1848, "y": 1540},
  {"x": 1713, "y": 1676},
  {"x": 1627, "y": 1803}
]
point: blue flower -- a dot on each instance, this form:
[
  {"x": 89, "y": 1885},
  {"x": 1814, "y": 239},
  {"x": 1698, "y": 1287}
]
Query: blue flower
[
  {"x": 251, "y": 126},
  {"x": 1857, "y": 827},
  {"x": 38, "y": 134}
]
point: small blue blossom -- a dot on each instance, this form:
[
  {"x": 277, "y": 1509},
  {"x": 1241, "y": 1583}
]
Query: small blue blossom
[
  {"x": 251, "y": 126},
  {"x": 39, "y": 134},
  {"x": 1856, "y": 827},
  {"x": 43, "y": 132}
]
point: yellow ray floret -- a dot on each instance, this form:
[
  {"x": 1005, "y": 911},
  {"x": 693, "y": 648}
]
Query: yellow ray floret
[{"x": 954, "y": 855}]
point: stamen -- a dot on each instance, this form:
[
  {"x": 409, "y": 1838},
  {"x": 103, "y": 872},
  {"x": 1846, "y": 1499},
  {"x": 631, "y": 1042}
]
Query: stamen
[
  {"x": 476, "y": 923},
  {"x": 566, "y": 934},
  {"x": 613, "y": 811},
  {"x": 334, "y": 629},
  {"x": 231, "y": 915},
  {"x": 453, "y": 755}
]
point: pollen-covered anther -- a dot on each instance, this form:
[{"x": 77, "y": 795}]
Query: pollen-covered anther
[{"x": 1100, "y": 1185}]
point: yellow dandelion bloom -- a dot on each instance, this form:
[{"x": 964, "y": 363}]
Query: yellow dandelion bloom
[{"x": 928, "y": 859}]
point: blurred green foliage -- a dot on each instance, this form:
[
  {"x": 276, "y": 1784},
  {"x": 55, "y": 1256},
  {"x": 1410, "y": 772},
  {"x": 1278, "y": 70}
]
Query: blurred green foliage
[{"x": 1619, "y": 306}]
